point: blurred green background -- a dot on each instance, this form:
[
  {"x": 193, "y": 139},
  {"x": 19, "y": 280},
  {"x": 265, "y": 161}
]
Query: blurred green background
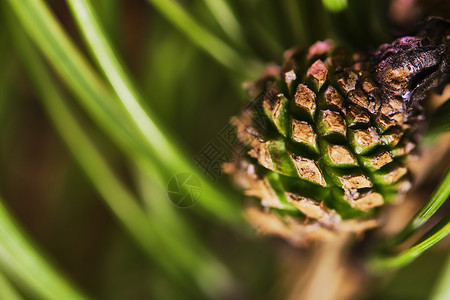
[{"x": 85, "y": 174}]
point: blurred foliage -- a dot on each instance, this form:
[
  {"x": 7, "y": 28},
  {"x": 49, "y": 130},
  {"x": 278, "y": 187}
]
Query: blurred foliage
[{"x": 88, "y": 183}]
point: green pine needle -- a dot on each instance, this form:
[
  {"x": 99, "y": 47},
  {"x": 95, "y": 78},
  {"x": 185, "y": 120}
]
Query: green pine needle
[
  {"x": 204, "y": 39},
  {"x": 7, "y": 290},
  {"x": 441, "y": 194},
  {"x": 383, "y": 262},
  {"x": 22, "y": 261},
  {"x": 335, "y": 5}
]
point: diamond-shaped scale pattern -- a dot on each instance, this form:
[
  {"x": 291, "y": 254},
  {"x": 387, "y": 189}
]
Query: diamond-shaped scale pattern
[{"x": 331, "y": 152}]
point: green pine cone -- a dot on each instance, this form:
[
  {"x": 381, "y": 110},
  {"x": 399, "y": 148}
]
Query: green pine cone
[{"x": 328, "y": 137}]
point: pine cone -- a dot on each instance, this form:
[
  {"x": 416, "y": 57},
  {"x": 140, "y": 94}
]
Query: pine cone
[{"x": 327, "y": 138}]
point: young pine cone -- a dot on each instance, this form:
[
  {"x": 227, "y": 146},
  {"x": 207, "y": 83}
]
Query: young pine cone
[{"x": 328, "y": 138}]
